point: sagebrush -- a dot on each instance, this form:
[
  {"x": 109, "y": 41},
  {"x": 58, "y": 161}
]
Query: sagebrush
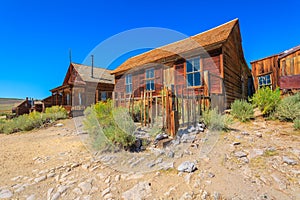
[
  {"x": 297, "y": 124},
  {"x": 109, "y": 126},
  {"x": 266, "y": 100},
  {"x": 242, "y": 110},
  {"x": 215, "y": 120},
  {"x": 32, "y": 120},
  {"x": 289, "y": 108}
]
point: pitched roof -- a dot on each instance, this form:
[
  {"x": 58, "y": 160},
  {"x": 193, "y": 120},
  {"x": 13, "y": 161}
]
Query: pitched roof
[
  {"x": 289, "y": 51},
  {"x": 213, "y": 36},
  {"x": 100, "y": 74}
]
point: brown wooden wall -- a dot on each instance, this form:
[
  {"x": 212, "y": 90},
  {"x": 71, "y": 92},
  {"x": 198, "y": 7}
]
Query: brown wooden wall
[
  {"x": 235, "y": 69},
  {"x": 139, "y": 82},
  {"x": 290, "y": 71},
  {"x": 266, "y": 66}
]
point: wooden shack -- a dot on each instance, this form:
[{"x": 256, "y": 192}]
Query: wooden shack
[
  {"x": 289, "y": 62},
  {"x": 82, "y": 86},
  {"x": 280, "y": 70},
  {"x": 211, "y": 64}
]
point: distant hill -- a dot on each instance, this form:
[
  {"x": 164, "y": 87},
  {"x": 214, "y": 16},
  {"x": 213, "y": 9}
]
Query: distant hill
[{"x": 6, "y": 104}]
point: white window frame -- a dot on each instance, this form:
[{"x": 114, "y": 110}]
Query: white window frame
[
  {"x": 150, "y": 79},
  {"x": 264, "y": 84},
  {"x": 128, "y": 83},
  {"x": 194, "y": 71}
]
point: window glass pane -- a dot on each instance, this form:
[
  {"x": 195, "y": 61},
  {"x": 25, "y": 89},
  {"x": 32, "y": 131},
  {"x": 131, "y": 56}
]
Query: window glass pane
[
  {"x": 190, "y": 79},
  {"x": 196, "y": 64},
  {"x": 103, "y": 96},
  {"x": 268, "y": 79},
  {"x": 197, "y": 79},
  {"x": 189, "y": 66},
  {"x": 152, "y": 85}
]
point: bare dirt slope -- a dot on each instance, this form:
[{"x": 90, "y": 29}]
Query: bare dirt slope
[{"x": 257, "y": 160}]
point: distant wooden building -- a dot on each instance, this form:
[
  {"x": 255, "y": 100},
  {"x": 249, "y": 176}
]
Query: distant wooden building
[
  {"x": 27, "y": 106},
  {"x": 280, "y": 70},
  {"x": 83, "y": 85},
  {"x": 211, "y": 63}
]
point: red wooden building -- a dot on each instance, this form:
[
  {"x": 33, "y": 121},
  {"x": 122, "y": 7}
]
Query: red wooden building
[
  {"x": 280, "y": 70},
  {"x": 82, "y": 86},
  {"x": 211, "y": 63}
]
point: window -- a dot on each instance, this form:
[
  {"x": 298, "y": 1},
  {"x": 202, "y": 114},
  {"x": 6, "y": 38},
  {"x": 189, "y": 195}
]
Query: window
[
  {"x": 103, "y": 96},
  {"x": 68, "y": 99},
  {"x": 193, "y": 75},
  {"x": 264, "y": 81},
  {"x": 128, "y": 83},
  {"x": 150, "y": 79}
]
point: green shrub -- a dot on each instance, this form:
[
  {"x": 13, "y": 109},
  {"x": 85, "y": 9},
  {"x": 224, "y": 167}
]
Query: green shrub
[
  {"x": 289, "y": 108},
  {"x": 32, "y": 120},
  {"x": 216, "y": 121},
  {"x": 242, "y": 110},
  {"x": 109, "y": 126},
  {"x": 266, "y": 100},
  {"x": 297, "y": 124},
  {"x": 56, "y": 113}
]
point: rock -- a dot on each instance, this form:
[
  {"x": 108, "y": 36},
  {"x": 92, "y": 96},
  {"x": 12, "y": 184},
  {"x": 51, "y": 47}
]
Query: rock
[
  {"x": 117, "y": 178},
  {"x": 86, "y": 197},
  {"x": 258, "y": 134},
  {"x": 166, "y": 165},
  {"x": 159, "y": 160},
  {"x": 216, "y": 196},
  {"x": 240, "y": 154},
  {"x": 107, "y": 180},
  {"x": 187, "y": 138},
  {"x": 168, "y": 193},
  {"x": 74, "y": 165},
  {"x": 289, "y": 161},
  {"x": 16, "y": 178},
  {"x": 58, "y": 125},
  {"x": 186, "y": 196},
  {"x": 142, "y": 190},
  {"x": 85, "y": 187},
  {"x": 62, "y": 189},
  {"x": 236, "y": 143},
  {"x": 150, "y": 164},
  {"x": 244, "y": 160},
  {"x": 161, "y": 136},
  {"x": 256, "y": 152},
  {"x": 31, "y": 197},
  {"x": 77, "y": 191},
  {"x": 5, "y": 194},
  {"x": 51, "y": 174},
  {"x": 105, "y": 192},
  {"x": 49, "y": 192},
  {"x": 171, "y": 154},
  {"x": 86, "y": 166},
  {"x": 204, "y": 194},
  {"x": 191, "y": 129},
  {"x": 245, "y": 133},
  {"x": 280, "y": 182},
  {"x": 186, "y": 166},
  {"x": 40, "y": 179},
  {"x": 56, "y": 196},
  {"x": 211, "y": 175}
]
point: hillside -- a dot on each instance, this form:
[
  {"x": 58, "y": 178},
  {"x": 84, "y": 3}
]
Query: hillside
[{"x": 6, "y": 104}]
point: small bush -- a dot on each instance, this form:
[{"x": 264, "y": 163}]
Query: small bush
[
  {"x": 108, "y": 126},
  {"x": 32, "y": 120},
  {"x": 297, "y": 124},
  {"x": 216, "y": 121},
  {"x": 289, "y": 108},
  {"x": 266, "y": 100},
  {"x": 56, "y": 113},
  {"x": 242, "y": 110}
]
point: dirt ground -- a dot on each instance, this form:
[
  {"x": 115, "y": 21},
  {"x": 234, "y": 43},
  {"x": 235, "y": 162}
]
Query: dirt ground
[{"x": 54, "y": 163}]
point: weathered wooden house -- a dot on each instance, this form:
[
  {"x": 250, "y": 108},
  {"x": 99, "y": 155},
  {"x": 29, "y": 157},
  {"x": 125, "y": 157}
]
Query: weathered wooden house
[
  {"x": 280, "y": 70},
  {"x": 83, "y": 85},
  {"x": 27, "y": 106},
  {"x": 211, "y": 64}
]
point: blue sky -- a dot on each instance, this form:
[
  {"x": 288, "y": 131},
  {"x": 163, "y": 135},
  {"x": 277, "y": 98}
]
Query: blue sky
[{"x": 35, "y": 36}]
